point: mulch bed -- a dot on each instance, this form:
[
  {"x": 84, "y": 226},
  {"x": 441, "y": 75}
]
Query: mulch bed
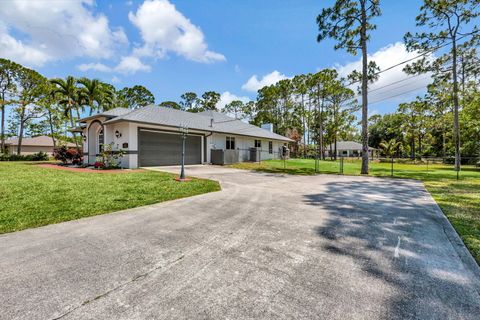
[{"x": 55, "y": 166}]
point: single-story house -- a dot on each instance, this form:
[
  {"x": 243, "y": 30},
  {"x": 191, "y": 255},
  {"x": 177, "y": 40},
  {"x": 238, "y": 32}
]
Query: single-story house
[
  {"x": 350, "y": 149},
  {"x": 32, "y": 145},
  {"x": 152, "y": 136}
]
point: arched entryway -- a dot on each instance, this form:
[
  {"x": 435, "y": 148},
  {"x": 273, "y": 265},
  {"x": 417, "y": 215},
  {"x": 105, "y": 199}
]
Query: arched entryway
[{"x": 96, "y": 140}]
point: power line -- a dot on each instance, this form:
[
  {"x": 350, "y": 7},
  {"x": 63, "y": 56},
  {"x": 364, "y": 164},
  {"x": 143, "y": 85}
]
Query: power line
[
  {"x": 473, "y": 68},
  {"x": 396, "y": 95},
  {"x": 416, "y": 57},
  {"x": 395, "y": 82}
]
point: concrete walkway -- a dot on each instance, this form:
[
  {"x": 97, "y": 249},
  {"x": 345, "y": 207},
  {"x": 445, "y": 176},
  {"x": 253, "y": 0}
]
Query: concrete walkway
[{"x": 265, "y": 247}]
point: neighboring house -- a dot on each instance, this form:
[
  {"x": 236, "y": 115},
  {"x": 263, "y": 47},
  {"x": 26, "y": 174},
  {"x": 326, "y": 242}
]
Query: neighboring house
[
  {"x": 32, "y": 145},
  {"x": 151, "y": 136},
  {"x": 350, "y": 149}
]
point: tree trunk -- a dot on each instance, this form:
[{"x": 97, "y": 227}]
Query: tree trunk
[
  {"x": 444, "y": 147},
  {"x": 413, "y": 147},
  {"x": 20, "y": 133},
  {"x": 335, "y": 150},
  {"x": 320, "y": 125},
  {"x": 420, "y": 145},
  {"x": 73, "y": 125},
  {"x": 363, "y": 44},
  {"x": 51, "y": 128},
  {"x": 91, "y": 108},
  {"x": 309, "y": 119},
  {"x": 456, "y": 125},
  {"x": 304, "y": 129},
  {"x": 335, "y": 131},
  {"x": 2, "y": 132}
]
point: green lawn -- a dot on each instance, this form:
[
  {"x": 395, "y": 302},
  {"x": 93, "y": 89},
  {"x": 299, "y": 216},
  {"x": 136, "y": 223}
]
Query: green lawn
[
  {"x": 459, "y": 200},
  {"x": 31, "y": 196}
]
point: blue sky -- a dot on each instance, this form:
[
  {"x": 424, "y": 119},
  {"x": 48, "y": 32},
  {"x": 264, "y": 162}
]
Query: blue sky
[{"x": 228, "y": 46}]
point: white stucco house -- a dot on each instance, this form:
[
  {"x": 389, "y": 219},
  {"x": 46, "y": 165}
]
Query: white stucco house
[
  {"x": 151, "y": 136},
  {"x": 350, "y": 149}
]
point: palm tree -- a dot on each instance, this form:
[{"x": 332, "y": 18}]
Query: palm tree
[
  {"x": 92, "y": 92},
  {"x": 108, "y": 98},
  {"x": 390, "y": 147},
  {"x": 68, "y": 91}
]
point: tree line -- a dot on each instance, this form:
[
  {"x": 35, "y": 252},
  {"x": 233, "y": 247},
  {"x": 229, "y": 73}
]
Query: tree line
[
  {"x": 315, "y": 110},
  {"x": 41, "y": 106}
]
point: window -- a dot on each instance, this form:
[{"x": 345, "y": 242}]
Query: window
[
  {"x": 258, "y": 143},
  {"x": 230, "y": 143},
  {"x": 270, "y": 147},
  {"x": 101, "y": 141}
]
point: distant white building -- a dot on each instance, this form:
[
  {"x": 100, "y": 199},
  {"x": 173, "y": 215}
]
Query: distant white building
[{"x": 350, "y": 149}]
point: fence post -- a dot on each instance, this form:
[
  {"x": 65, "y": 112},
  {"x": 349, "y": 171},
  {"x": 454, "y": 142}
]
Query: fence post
[
  {"x": 427, "y": 166},
  {"x": 341, "y": 164},
  {"x": 391, "y": 169}
]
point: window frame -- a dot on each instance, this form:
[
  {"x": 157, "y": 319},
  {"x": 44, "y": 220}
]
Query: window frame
[
  {"x": 100, "y": 141},
  {"x": 229, "y": 143},
  {"x": 270, "y": 147},
  {"x": 257, "y": 145}
]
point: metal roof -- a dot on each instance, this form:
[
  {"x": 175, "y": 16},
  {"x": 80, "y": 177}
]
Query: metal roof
[
  {"x": 221, "y": 123},
  {"x": 108, "y": 114}
]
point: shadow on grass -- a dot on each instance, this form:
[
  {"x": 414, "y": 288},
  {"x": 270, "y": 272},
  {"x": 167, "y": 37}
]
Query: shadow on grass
[{"x": 387, "y": 230}]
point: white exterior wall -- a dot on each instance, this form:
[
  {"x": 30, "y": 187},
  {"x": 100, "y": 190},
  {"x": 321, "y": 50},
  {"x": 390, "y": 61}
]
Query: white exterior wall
[
  {"x": 129, "y": 131},
  {"x": 243, "y": 143}
]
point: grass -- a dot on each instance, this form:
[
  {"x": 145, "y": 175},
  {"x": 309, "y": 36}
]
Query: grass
[
  {"x": 32, "y": 196},
  {"x": 459, "y": 200}
]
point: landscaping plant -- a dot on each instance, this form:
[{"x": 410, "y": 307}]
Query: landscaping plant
[
  {"x": 68, "y": 155},
  {"x": 109, "y": 158}
]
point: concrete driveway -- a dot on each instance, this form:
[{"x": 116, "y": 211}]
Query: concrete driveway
[{"x": 265, "y": 247}]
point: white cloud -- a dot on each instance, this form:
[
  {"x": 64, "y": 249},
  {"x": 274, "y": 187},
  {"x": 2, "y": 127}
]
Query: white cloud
[
  {"x": 36, "y": 32},
  {"x": 164, "y": 29},
  {"x": 254, "y": 84},
  {"x": 94, "y": 66},
  {"x": 115, "y": 79},
  {"x": 227, "y": 97},
  {"x": 127, "y": 65},
  {"x": 18, "y": 51},
  {"x": 131, "y": 64},
  {"x": 387, "y": 85}
]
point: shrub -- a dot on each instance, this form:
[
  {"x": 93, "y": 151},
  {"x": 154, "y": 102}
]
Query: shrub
[
  {"x": 40, "y": 156},
  {"x": 110, "y": 158},
  {"x": 60, "y": 154},
  {"x": 99, "y": 165},
  {"x": 67, "y": 155},
  {"x": 463, "y": 160}
]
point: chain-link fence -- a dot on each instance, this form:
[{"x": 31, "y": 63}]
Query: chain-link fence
[{"x": 420, "y": 168}]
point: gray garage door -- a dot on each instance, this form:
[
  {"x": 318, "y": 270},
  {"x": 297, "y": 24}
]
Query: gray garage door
[{"x": 165, "y": 149}]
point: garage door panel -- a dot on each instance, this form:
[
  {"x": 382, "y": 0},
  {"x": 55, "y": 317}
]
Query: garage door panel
[{"x": 162, "y": 149}]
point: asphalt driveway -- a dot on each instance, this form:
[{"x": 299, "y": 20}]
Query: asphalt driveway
[{"x": 265, "y": 247}]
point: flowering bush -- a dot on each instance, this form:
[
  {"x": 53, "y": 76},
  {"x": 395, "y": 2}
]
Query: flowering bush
[
  {"x": 110, "y": 158},
  {"x": 99, "y": 165},
  {"x": 68, "y": 155}
]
